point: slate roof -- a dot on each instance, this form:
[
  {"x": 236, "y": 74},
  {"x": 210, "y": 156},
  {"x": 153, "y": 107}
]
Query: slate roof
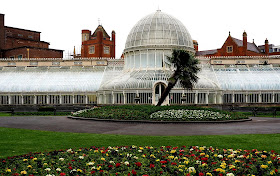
[
  {"x": 206, "y": 52},
  {"x": 250, "y": 46}
]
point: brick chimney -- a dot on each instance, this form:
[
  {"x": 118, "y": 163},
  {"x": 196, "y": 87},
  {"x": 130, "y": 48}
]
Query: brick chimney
[
  {"x": 244, "y": 43},
  {"x": 113, "y": 54},
  {"x": 195, "y": 45},
  {"x": 266, "y": 46}
]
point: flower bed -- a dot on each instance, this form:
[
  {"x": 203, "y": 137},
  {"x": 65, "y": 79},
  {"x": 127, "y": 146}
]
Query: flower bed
[
  {"x": 132, "y": 160},
  {"x": 190, "y": 115},
  {"x": 149, "y": 112}
]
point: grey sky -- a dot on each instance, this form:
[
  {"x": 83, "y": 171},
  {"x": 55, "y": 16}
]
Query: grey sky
[{"x": 207, "y": 21}]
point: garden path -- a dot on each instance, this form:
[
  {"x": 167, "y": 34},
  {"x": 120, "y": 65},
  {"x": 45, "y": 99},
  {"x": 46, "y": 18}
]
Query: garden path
[{"x": 258, "y": 125}]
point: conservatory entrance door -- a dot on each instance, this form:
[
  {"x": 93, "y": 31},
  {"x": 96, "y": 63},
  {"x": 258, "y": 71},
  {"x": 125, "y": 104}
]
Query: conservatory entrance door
[{"x": 157, "y": 92}]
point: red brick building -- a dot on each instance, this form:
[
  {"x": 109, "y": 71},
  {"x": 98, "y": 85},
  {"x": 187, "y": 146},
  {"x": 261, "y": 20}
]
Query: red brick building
[
  {"x": 23, "y": 43},
  {"x": 236, "y": 47},
  {"x": 98, "y": 44}
]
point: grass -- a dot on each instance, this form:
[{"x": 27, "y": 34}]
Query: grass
[
  {"x": 4, "y": 114},
  {"x": 20, "y": 141}
]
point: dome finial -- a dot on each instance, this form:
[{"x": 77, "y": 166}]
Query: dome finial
[{"x": 158, "y": 9}]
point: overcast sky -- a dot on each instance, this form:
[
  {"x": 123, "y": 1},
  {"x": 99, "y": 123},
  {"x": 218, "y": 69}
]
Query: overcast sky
[{"x": 208, "y": 21}]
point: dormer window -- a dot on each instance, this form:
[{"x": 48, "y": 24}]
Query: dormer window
[{"x": 229, "y": 49}]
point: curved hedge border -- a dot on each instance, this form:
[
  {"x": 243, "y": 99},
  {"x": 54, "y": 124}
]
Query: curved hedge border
[{"x": 143, "y": 113}]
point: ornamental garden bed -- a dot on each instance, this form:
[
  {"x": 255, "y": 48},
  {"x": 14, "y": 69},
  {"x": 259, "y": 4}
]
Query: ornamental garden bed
[
  {"x": 158, "y": 114},
  {"x": 148, "y": 160}
]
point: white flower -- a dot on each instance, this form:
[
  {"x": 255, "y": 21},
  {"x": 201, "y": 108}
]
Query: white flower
[
  {"x": 191, "y": 169},
  {"x": 47, "y": 169},
  {"x": 135, "y": 157},
  {"x": 61, "y": 159},
  {"x": 220, "y": 156},
  {"x": 93, "y": 168},
  {"x": 50, "y": 175},
  {"x": 140, "y": 151},
  {"x": 230, "y": 174},
  {"x": 58, "y": 169},
  {"x": 111, "y": 162},
  {"x": 126, "y": 163},
  {"x": 69, "y": 150},
  {"x": 90, "y": 163},
  {"x": 81, "y": 157}
]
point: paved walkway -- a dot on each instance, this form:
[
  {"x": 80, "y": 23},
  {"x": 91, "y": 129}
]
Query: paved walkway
[{"x": 258, "y": 125}]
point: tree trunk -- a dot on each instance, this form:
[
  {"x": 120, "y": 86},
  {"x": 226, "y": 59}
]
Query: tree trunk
[{"x": 171, "y": 84}]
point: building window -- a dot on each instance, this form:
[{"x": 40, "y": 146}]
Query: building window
[
  {"x": 55, "y": 63},
  {"x": 229, "y": 49},
  {"x": 12, "y": 57},
  {"x": 30, "y": 36},
  {"x": 19, "y": 56},
  {"x": 78, "y": 63},
  {"x": 91, "y": 50},
  {"x": 20, "y": 35},
  {"x": 106, "y": 49},
  {"x": 34, "y": 63}
]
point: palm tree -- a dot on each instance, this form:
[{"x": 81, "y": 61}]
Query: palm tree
[{"x": 186, "y": 69}]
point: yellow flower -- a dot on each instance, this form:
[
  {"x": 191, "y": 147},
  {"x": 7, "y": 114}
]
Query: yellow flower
[
  {"x": 107, "y": 154},
  {"x": 79, "y": 170},
  {"x": 269, "y": 162},
  {"x": 172, "y": 151},
  {"x": 181, "y": 166},
  {"x": 264, "y": 156},
  {"x": 25, "y": 160},
  {"x": 8, "y": 170},
  {"x": 141, "y": 148},
  {"x": 143, "y": 156},
  {"x": 272, "y": 172},
  {"x": 264, "y": 166},
  {"x": 237, "y": 161},
  {"x": 29, "y": 166},
  {"x": 207, "y": 156},
  {"x": 215, "y": 155},
  {"x": 204, "y": 164},
  {"x": 45, "y": 164},
  {"x": 34, "y": 159},
  {"x": 152, "y": 156},
  {"x": 176, "y": 158},
  {"x": 201, "y": 148},
  {"x": 103, "y": 159},
  {"x": 23, "y": 172},
  {"x": 170, "y": 157},
  {"x": 96, "y": 151},
  {"x": 186, "y": 162},
  {"x": 231, "y": 166},
  {"x": 181, "y": 170},
  {"x": 202, "y": 154},
  {"x": 157, "y": 160},
  {"x": 220, "y": 170},
  {"x": 208, "y": 174}
]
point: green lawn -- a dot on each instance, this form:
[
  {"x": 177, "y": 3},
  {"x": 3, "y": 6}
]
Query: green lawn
[{"x": 19, "y": 141}]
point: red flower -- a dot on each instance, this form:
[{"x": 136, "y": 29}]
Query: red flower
[
  {"x": 134, "y": 172},
  {"x": 110, "y": 166},
  {"x": 201, "y": 174},
  {"x": 70, "y": 168},
  {"x": 276, "y": 171},
  {"x": 152, "y": 165},
  {"x": 204, "y": 159},
  {"x": 163, "y": 162},
  {"x": 163, "y": 166},
  {"x": 118, "y": 165},
  {"x": 62, "y": 174},
  {"x": 138, "y": 164},
  {"x": 173, "y": 163},
  {"x": 101, "y": 171}
]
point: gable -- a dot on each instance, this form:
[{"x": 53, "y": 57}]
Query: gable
[{"x": 100, "y": 28}]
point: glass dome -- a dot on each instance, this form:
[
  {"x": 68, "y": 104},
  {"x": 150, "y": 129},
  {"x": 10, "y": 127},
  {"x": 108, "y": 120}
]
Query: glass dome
[
  {"x": 152, "y": 39},
  {"x": 159, "y": 29}
]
